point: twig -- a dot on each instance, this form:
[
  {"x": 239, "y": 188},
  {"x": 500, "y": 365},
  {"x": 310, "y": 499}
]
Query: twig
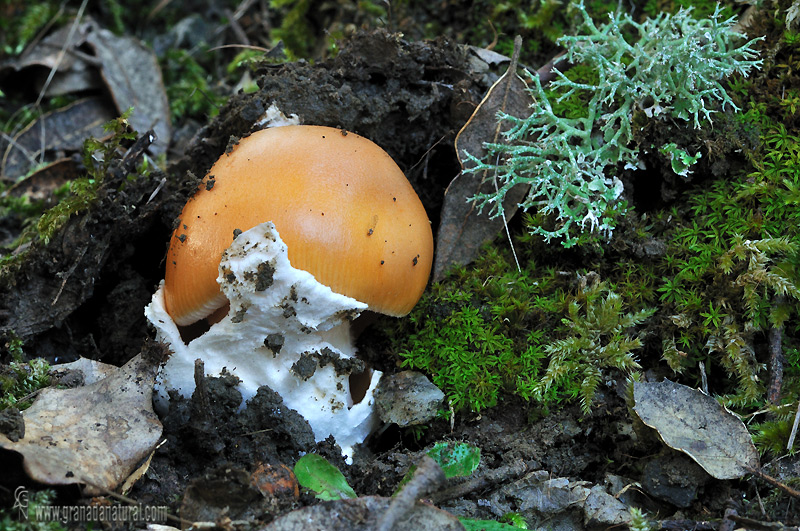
[
  {"x": 69, "y": 273},
  {"x": 511, "y": 72},
  {"x": 703, "y": 377},
  {"x": 243, "y": 46},
  {"x": 792, "y": 435},
  {"x": 17, "y": 145},
  {"x": 131, "y": 157},
  {"x": 428, "y": 477},
  {"x": 751, "y": 523},
  {"x": 683, "y": 525},
  {"x": 774, "y": 482},
  {"x": 491, "y": 477},
  {"x": 63, "y": 52},
  {"x": 728, "y": 524},
  {"x": 775, "y": 336},
  {"x": 203, "y": 407}
]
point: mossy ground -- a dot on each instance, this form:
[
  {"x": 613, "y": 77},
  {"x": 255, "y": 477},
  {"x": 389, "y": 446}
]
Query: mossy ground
[{"x": 711, "y": 262}]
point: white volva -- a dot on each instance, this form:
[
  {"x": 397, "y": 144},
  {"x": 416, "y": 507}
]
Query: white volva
[{"x": 270, "y": 300}]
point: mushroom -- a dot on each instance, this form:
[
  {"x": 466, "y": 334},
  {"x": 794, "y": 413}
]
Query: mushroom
[{"x": 291, "y": 235}]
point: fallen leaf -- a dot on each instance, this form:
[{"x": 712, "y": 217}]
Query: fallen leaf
[
  {"x": 64, "y": 129},
  {"x": 94, "y": 435},
  {"x": 489, "y": 57},
  {"x": 275, "y": 481},
  {"x": 315, "y": 473},
  {"x": 137, "y": 474},
  {"x": 699, "y": 426},
  {"x": 42, "y": 184},
  {"x": 127, "y": 68},
  {"x": 92, "y": 371},
  {"x": 62, "y": 50},
  {"x": 462, "y": 230},
  {"x": 133, "y": 77}
]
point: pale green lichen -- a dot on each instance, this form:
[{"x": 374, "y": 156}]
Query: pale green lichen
[{"x": 671, "y": 69}]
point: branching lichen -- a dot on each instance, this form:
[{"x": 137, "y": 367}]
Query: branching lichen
[{"x": 671, "y": 69}]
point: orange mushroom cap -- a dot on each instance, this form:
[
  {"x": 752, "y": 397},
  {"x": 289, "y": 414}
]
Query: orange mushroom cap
[{"x": 340, "y": 203}]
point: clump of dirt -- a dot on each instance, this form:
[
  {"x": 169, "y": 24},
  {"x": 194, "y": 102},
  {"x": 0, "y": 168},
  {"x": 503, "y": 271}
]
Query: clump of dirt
[
  {"x": 81, "y": 293},
  {"x": 207, "y": 432}
]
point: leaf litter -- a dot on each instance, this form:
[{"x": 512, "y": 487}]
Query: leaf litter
[
  {"x": 95, "y": 435},
  {"x": 121, "y": 73},
  {"x": 463, "y": 230}
]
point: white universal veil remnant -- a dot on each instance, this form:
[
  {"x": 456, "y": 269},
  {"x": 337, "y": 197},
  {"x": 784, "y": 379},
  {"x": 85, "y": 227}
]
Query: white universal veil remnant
[{"x": 291, "y": 235}]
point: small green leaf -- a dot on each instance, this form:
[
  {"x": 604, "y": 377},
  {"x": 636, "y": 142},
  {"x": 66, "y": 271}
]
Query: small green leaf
[
  {"x": 315, "y": 473},
  {"x": 456, "y": 459}
]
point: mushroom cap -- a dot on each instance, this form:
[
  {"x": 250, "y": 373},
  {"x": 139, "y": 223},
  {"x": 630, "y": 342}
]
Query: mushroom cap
[{"x": 343, "y": 207}]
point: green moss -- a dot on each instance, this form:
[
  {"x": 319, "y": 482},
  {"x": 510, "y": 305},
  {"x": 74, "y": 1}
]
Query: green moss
[
  {"x": 492, "y": 331},
  {"x": 599, "y": 338},
  {"x": 17, "y": 31},
  {"x": 97, "y": 158},
  {"x": 771, "y": 436},
  {"x": 722, "y": 269},
  {"x": 295, "y": 30},
  {"x": 18, "y": 380},
  {"x": 472, "y": 346},
  {"x": 187, "y": 86},
  {"x": 726, "y": 279}
]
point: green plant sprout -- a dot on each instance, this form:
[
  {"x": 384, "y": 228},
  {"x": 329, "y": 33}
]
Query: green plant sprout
[
  {"x": 762, "y": 286},
  {"x": 639, "y": 521},
  {"x": 680, "y": 160},
  {"x": 457, "y": 459},
  {"x": 318, "y": 475},
  {"x": 670, "y": 70}
]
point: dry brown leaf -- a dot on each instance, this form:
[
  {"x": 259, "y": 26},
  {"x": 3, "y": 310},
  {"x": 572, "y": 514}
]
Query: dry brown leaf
[
  {"x": 699, "y": 426},
  {"x": 76, "y": 71},
  {"x": 463, "y": 231},
  {"x": 137, "y": 474},
  {"x": 96, "y": 434},
  {"x": 42, "y": 184},
  {"x": 124, "y": 65},
  {"x": 133, "y": 77},
  {"x": 64, "y": 129},
  {"x": 92, "y": 370}
]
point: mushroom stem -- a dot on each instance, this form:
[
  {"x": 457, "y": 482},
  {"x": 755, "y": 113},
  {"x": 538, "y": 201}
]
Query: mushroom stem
[{"x": 284, "y": 330}]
